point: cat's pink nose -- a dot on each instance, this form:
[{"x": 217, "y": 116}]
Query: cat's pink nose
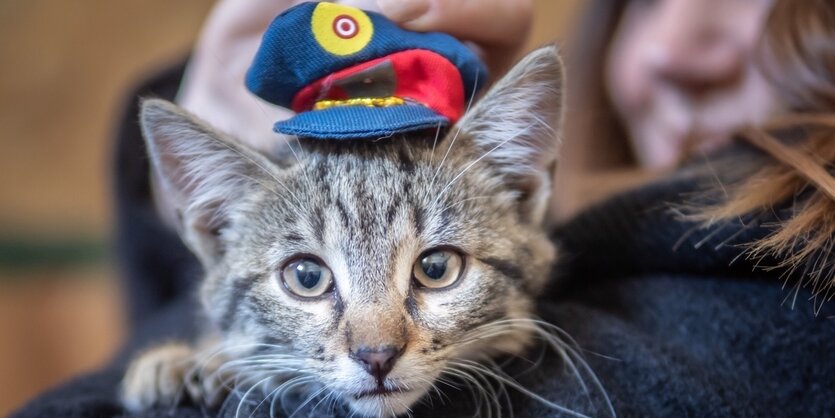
[{"x": 378, "y": 362}]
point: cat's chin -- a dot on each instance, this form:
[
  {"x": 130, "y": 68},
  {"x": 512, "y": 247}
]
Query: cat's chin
[{"x": 393, "y": 403}]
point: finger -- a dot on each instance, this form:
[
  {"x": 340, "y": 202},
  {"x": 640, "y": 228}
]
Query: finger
[
  {"x": 500, "y": 27},
  {"x": 487, "y": 22}
]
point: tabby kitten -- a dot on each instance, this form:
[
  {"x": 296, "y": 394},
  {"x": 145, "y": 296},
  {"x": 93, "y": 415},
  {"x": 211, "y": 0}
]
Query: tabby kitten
[{"x": 359, "y": 270}]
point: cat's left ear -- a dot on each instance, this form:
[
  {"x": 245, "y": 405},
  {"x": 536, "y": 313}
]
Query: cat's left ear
[
  {"x": 515, "y": 128},
  {"x": 206, "y": 175}
]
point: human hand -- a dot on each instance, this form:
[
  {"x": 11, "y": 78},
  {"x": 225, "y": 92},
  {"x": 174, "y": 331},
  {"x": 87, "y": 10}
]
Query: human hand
[
  {"x": 498, "y": 28},
  {"x": 214, "y": 88}
]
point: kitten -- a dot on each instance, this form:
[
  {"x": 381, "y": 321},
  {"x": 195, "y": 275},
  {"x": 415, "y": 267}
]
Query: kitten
[{"x": 360, "y": 269}]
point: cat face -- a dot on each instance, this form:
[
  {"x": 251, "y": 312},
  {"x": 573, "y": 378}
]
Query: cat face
[{"x": 367, "y": 269}]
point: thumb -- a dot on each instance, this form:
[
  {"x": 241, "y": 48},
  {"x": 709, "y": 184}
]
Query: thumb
[{"x": 499, "y": 27}]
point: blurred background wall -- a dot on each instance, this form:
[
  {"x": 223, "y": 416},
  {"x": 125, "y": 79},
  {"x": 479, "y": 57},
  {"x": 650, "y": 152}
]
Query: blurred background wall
[{"x": 66, "y": 66}]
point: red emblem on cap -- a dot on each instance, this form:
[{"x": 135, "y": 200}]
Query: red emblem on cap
[
  {"x": 417, "y": 75},
  {"x": 345, "y": 27}
]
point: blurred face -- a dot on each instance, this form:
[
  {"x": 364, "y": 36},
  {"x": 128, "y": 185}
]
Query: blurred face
[{"x": 682, "y": 75}]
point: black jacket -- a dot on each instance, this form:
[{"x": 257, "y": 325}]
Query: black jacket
[{"x": 670, "y": 318}]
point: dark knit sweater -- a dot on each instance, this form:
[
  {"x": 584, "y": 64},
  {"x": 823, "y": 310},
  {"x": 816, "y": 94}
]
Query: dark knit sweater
[{"x": 668, "y": 316}]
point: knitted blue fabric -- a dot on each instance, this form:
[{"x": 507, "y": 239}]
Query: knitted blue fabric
[
  {"x": 291, "y": 57},
  {"x": 361, "y": 122}
]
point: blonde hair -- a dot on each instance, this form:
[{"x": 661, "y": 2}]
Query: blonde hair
[{"x": 798, "y": 56}]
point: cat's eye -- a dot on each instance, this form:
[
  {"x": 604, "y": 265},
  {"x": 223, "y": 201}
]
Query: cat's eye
[
  {"x": 438, "y": 268},
  {"x": 307, "y": 277}
]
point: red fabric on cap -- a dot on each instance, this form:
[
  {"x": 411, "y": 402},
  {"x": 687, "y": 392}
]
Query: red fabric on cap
[{"x": 423, "y": 76}]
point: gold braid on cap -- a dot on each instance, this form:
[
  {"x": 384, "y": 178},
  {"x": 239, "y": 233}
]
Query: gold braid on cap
[{"x": 360, "y": 101}]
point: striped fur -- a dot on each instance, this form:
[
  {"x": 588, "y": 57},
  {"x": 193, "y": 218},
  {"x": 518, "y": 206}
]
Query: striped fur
[{"x": 368, "y": 209}]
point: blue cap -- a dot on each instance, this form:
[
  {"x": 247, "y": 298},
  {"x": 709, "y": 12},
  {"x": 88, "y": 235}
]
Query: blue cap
[{"x": 352, "y": 74}]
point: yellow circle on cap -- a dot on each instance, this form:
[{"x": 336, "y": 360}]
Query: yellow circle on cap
[{"x": 341, "y": 30}]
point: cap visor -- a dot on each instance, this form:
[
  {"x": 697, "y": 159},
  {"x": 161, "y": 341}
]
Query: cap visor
[{"x": 355, "y": 122}]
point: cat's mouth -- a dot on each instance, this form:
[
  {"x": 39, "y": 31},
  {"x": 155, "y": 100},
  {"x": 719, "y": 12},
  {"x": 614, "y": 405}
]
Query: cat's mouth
[{"x": 379, "y": 391}]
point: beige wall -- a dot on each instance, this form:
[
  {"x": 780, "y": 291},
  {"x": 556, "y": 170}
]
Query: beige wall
[
  {"x": 554, "y": 20},
  {"x": 66, "y": 65}
]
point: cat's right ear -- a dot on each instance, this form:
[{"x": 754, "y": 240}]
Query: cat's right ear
[
  {"x": 515, "y": 128},
  {"x": 202, "y": 173}
]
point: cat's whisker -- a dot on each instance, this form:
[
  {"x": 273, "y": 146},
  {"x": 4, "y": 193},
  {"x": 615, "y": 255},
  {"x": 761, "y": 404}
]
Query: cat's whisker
[
  {"x": 443, "y": 160},
  {"x": 264, "y": 367},
  {"x": 277, "y": 395},
  {"x": 435, "y": 143},
  {"x": 292, "y": 387},
  {"x": 265, "y": 170},
  {"x": 247, "y": 393},
  {"x": 268, "y": 356},
  {"x": 469, "y": 166},
  {"x": 480, "y": 375},
  {"x": 200, "y": 361},
  {"x": 550, "y": 334},
  {"x": 275, "y": 362},
  {"x": 457, "y": 132},
  {"x": 500, "y": 376},
  {"x": 273, "y": 399},
  {"x": 245, "y": 369},
  {"x": 494, "y": 398},
  {"x": 441, "y": 380},
  {"x": 455, "y": 373},
  {"x": 566, "y": 352},
  {"x": 543, "y": 348},
  {"x": 323, "y": 399},
  {"x": 479, "y": 394},
  {"x": 284, "y": 361},
  {"x": 286, "y": 141},
  {"x": 290, "y": 146},
  {"x": 353, "y": 412},
  {"x": 490, "y": 393},
  {"x": 307, "y": 401},
  {"x": 487, "y": 334},
  {"x": 328, "y": 401},
  {"x": 429, "y": 393},
  {"x": 290, "y": 383},
  {"x": 556, "y": 342},
  {"x": 269, "y": 396},
  {"x": 274, "y": 365},
  {"x": 503, "y": 390},
  {"x": 241, "y": 378},
  {"x": 462, "y": 201},
  {"x": 202, "y": 358},
  {"x": 403, "y": 406}
]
